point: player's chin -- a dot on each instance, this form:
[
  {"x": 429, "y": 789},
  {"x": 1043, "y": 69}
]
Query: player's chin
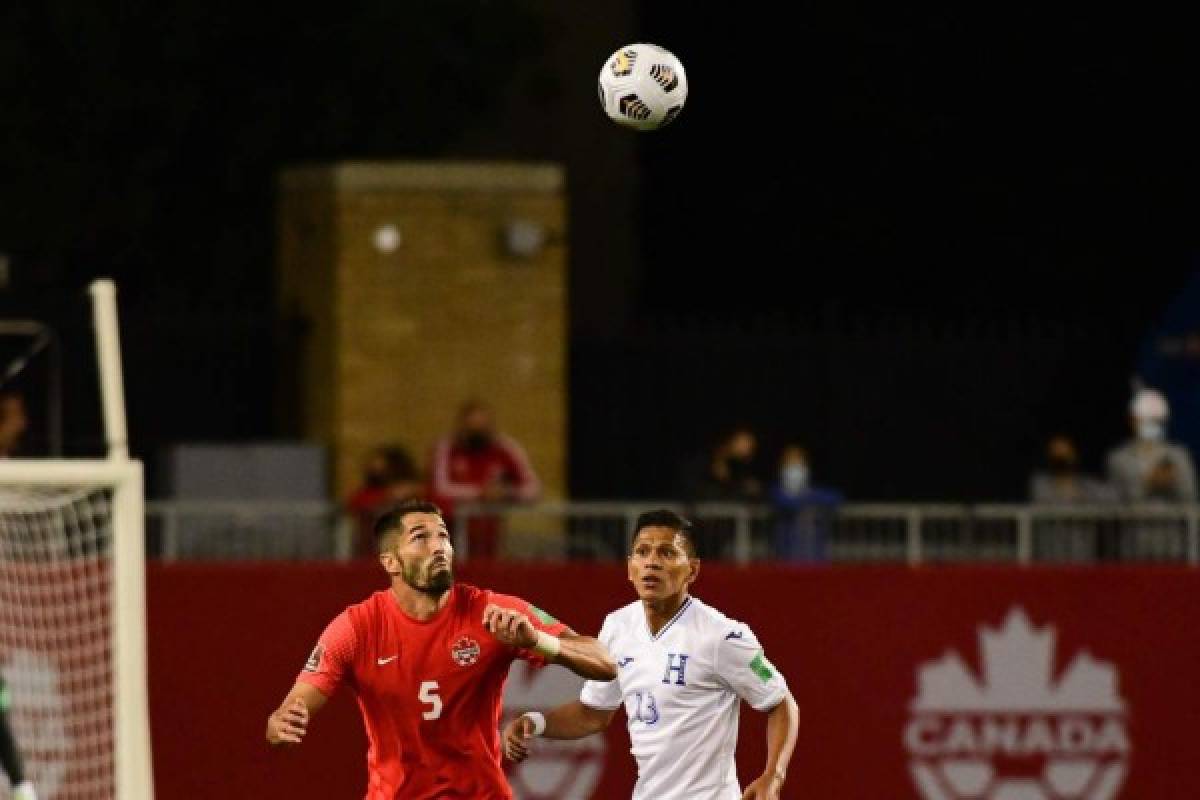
[
  {"x": 439, "y": 578},
  {"x": 650, "y": 591}
]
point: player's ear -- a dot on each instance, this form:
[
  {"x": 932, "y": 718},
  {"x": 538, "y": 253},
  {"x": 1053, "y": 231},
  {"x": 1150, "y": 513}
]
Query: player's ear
[
  {"x": 693, "y": 569},
  {"x": 389, "y": 562}
]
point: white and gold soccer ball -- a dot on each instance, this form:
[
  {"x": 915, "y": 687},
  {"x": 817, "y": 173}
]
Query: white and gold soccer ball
[{"x": 643, "y": 86}]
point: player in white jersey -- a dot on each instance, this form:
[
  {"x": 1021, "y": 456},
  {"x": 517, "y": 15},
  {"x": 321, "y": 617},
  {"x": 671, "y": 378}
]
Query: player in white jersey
[{"x": 683, "y": 670}]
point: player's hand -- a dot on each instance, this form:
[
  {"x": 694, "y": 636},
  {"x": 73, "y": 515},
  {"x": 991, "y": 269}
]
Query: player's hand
[
  {"x": 510, "y": 627},
  {"x": 288, "y": 725},
  {"x": 517, "y": 735},
  {"x": 767, "y": 787}
]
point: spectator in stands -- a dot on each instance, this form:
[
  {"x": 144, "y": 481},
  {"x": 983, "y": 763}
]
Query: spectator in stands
[
  {"x": 1061, "y": 482},
  {"x": 727, "y": 475},
  {"x": 804, "y": 511},
  {"x": 1148, "y": 467},
  {"x": 477, "y": 463},
  {"x": 390, "y": 477},
  {"x": 13, "y": 422}
]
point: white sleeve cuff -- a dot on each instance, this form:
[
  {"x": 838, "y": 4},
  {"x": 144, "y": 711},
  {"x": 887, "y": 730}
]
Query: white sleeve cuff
[
  {"x": 539, "y": 722},
  {"x": 770, "y": 701}
]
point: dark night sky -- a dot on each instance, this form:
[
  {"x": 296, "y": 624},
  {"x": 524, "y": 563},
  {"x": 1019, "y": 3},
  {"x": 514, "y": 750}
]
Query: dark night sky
[
  {"x": 984, "y": 156},
  {"x": 911, "y": 235},
  {"x": 931, "y": 237}
]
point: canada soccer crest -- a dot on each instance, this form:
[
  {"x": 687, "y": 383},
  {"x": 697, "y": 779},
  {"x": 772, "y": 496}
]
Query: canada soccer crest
[
  {"x": 1018, "y": 732},
  {"x": 465, "y": 651}
]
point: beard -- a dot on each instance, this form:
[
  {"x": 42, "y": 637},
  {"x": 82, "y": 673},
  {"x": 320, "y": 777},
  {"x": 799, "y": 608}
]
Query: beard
[{"x": 418, "y": 577}]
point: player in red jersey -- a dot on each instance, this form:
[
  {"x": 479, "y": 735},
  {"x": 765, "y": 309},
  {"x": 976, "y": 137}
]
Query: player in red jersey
[{"x": 427, "y": 660}]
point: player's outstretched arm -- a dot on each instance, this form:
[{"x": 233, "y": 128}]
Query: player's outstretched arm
[
  {"x": 783, "y": 722},
  {"x": 288, "y": 723},
  {"x": 573, "y": 720},
  {"x": 583, "y": 655}
]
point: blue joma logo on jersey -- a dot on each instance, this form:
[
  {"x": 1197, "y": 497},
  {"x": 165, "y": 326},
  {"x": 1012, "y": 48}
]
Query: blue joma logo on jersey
[
  {"x": 676, "y": 665},
  {"x": 625, "y": 662}
]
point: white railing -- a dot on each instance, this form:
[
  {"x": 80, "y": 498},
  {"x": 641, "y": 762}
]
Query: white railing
[
  {"x": 911, "y": 533},
  {"x": 600, "y": 530}
]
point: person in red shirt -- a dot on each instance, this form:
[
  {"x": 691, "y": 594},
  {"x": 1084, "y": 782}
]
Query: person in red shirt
[
  {"x": 478, "y": 464},
  {"x": 427, "y": 660},
  {"x": 390, "y": 477}
]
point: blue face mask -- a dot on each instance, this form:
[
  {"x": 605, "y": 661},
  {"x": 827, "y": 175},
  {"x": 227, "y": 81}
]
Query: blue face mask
[
  {"x": 1151, "y": 430},
  {"x": 793, "y": 479}
]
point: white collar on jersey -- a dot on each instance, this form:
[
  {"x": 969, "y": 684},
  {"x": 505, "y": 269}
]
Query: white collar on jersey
[{"x": 670, "y": 622}]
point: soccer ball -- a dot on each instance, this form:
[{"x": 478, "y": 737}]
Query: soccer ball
[{"x": 643, "y": 87}]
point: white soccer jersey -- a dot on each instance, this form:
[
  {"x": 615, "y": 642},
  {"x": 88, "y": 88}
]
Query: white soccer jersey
[{"x": 681, "y": 692}]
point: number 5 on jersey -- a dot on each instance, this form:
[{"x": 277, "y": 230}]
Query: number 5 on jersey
[{"x": 428, "y": 695}]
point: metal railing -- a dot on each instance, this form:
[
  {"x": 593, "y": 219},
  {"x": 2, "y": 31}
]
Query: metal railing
[
  {"x": 860, "y": 532},
  {"x": 853, "y": 533},
  {"x": 244, "y": 530}
]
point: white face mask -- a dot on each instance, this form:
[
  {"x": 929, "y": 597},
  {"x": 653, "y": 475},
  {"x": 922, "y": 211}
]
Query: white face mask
[
  {"x": 794, "y": 479},
  {"x": 1150, "y": 430}
]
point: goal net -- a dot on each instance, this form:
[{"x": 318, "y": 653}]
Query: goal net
[{"x": 72, "y": 625}]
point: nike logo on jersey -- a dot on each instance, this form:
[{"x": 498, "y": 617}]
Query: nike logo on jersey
[
  {"x": 734, "y": 635},
  {"x": 382, "y": 661},
  {"x": 624, "y": 662}
]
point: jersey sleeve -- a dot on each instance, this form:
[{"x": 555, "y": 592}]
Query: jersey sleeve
[
  {"x": 742, "y": 665},
  {"x": 330, "y": 662},
  {"x": 604, "y": 695},
  {"x": 540, "y": 619}
]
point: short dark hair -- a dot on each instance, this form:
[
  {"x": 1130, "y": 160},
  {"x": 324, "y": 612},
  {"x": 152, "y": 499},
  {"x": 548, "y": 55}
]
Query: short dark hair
[
  {"x": 666, "y": 518},
  {"x": 393, "y": 519},
  {"x": 398, "y": 463}
]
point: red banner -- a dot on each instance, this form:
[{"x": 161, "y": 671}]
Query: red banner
[{"x": 933, "y": 683}]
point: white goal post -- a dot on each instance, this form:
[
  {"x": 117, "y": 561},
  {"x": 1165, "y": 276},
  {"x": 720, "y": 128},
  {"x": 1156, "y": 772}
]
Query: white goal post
[{"x": 73, "y": 606}]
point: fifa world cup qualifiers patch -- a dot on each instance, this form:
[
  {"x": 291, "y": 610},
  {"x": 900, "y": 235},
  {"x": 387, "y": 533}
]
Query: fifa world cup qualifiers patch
[
  {"x": 543, "y": 616},
  {"x": 314, "y": 659},
  {"x": 764, "y": 669}
]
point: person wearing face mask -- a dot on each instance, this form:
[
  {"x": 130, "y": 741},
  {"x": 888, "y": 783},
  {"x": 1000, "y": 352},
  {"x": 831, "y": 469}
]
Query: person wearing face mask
[
  {"x": 1061, "y": 482},
  {"x": 723, "y": 476},
  {"x": 476, "y": 463},
  {"x": 390, "y": 476},
  {"x": 804, "y": 512},
  {"x": 1148, "y": 467},
  {"x": 727, "y": 474}
]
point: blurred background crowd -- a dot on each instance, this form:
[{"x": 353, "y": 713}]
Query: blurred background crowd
[{"x": 928, "y": 291}]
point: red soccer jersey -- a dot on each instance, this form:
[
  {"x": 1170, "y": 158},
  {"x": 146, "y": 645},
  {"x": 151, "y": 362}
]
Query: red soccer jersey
[{"x": 429, "y": 692}]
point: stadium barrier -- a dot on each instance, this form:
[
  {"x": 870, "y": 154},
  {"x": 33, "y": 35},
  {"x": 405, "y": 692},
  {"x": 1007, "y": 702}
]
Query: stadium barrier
[
  {"x": 247, "y": 530},
  {"x": 929, "y": 682},
  {"x": 853, "y": 533}
]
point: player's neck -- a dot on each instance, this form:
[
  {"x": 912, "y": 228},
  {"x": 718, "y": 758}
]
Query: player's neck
[
  {"x": 660, "y": 612},
  {"x": 417, "y": 604}
]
